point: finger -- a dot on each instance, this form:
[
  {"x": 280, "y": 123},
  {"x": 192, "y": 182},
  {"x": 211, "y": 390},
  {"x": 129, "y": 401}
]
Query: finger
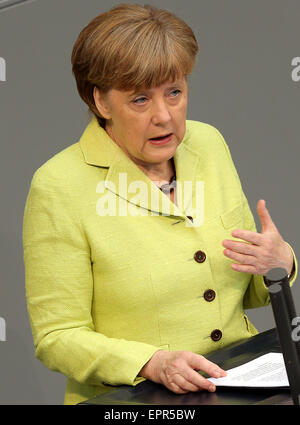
[
  {"x": 240, "y": 258},
  {"x": 248, "y": 236},
  {"x": 176, "y": 389},
  {"x": 194, "y": 380},
  {"x": 241, "y": 247},
  {"x": 264, "y": 216},
  {"x": 199, "y": 362},
  {"x": 186, "y": 385},
  {"x": 244, "y": 268}
]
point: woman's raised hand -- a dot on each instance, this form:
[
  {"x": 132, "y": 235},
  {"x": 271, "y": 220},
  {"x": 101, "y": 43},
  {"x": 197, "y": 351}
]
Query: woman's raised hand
[
  {"x": 178, "y": 371},
  {"x": 261, "y": 251}
]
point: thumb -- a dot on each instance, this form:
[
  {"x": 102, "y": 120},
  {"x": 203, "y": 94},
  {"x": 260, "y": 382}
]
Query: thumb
[{"x": 264, "y": 216}]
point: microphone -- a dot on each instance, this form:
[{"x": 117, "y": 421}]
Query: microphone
[
  {"x": 280, "y": 276},
  {"x": 284, "y": 312}
]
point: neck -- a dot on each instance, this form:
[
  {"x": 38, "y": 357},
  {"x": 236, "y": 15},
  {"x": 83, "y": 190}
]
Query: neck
[{"x": 159, "y": 172}]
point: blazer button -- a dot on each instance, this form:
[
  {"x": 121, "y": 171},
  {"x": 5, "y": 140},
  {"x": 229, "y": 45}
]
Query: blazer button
[
  {"x": 209, "y": 295},
  {"x": 216, "y": 335},
  {"x": 199, "y": 256}
]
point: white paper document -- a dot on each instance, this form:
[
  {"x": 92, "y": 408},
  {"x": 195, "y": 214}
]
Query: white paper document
[{"x": 265, "y": 371}]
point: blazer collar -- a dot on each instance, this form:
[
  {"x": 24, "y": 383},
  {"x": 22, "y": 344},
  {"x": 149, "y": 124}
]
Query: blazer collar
[
  {"x": 100, "y": 150},
  {"x": 96, "y": 145}
]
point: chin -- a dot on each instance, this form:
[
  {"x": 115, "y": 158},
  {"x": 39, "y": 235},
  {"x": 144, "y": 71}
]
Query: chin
[{"x": 164, "y": 152}]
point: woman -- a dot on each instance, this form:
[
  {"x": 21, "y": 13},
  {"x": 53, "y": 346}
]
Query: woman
[{"x": 127, "y": 277}]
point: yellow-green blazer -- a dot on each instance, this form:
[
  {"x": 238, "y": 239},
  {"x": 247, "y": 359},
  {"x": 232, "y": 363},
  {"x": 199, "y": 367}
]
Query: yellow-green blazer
[{"x": 104, "y": 292}]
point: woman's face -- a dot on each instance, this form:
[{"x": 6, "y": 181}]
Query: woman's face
[{"x": 138, "y": 118}]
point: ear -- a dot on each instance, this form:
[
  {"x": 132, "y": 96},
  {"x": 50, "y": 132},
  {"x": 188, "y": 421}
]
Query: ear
[{"x": 101, "y": 103}]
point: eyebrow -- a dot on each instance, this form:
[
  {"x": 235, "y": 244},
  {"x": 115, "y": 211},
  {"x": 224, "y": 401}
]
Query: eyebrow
[{"x": 149, "y": 90}]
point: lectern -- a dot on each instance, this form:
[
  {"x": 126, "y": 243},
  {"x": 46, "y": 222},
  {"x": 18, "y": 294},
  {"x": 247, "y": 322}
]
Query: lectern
[{"x": 285, "y": 314}]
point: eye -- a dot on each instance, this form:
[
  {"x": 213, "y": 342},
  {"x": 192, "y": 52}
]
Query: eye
[
  {"x": 175, "y": 93},
  {"x": 140, "y": 100}
]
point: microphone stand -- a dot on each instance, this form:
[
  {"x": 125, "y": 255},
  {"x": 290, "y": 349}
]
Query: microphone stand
[{"x": 284, "y": 312}]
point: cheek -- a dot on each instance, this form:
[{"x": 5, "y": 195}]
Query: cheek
[
  {"x": 129, "y": 128},
  {"x": 180, "y": 120},
  {"x": 182, "y": 107},
  {"x": 136, "y": 135},
  {"x": 139, "y": 127}
]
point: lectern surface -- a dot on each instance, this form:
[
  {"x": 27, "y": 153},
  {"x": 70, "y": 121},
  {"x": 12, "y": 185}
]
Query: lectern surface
[{"x": 150, "y": 393}]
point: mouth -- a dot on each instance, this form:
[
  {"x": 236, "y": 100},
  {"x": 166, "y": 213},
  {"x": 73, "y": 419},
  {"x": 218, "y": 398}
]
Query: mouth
[{"x": 159, "y": 140}]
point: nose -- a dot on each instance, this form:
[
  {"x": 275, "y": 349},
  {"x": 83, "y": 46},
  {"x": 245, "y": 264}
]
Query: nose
[{"x": 160, "y": 112}]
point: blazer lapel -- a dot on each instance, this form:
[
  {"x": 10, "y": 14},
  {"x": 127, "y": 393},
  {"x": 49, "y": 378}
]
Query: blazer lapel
[
  {"x": 130, "y": 183},
  {"x": 190, "y": 190}
]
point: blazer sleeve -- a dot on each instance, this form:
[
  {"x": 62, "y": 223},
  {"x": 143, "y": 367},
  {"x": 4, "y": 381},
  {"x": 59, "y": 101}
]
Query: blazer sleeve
[
  {"x": 59, "y": 292},
  {"x": 257, "y": 294}
]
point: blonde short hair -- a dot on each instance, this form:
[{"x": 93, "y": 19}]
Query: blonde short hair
[{"x": 130, "y": 47}]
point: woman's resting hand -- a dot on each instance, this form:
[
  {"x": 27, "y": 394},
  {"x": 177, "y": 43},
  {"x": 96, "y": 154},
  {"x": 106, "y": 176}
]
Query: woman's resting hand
[
  {"x": 261, "y": 251},
  {"x": 178, "y": 371}
]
